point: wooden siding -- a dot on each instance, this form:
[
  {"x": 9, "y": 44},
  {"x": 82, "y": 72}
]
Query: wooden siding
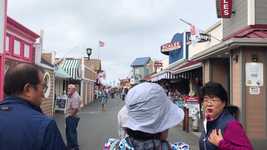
[
  {"x": 47, "y": 104},
  {"x": 261, "y": 11},
  {"x": 238, "y": 20}
]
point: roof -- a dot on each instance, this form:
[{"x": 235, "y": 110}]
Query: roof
[
  {"x": 141, "y": 61},
  {"x": 43, "y": 61},
  {"x": 189, "y": 65},
  {"x": 72, "y": 67},
  {"x": 253, "y": 35},
  {"x": 252, "y": 31},
  {"x": 19, "y": 26},
  {"x": 60, "y": 73}
]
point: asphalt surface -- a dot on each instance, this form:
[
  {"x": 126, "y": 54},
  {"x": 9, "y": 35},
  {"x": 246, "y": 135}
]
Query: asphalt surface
[{"x": 95, "y": 126}]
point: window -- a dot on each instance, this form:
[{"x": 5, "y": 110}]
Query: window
[
  {"x": 17, "y": 47},
  {"x": 26, "y": 51},
  {"x": 7, "y": 44}
]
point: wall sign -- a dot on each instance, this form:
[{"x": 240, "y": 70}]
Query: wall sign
[
  {"x": 254, "y": 74},
  {"x": 224, "y": 8},
  {"x": 254, "y": 90},
  {"x": 47, "y": 88}
]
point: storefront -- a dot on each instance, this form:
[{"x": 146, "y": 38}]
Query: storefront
[
  {"x": 19, "y": 47},
  {"x": 238, "y": 62}
]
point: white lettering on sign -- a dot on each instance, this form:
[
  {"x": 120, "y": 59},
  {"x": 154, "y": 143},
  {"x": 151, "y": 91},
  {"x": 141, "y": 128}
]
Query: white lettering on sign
[
  {"x": 170, "y": 46},
  {"x": 226, "y": 7}
]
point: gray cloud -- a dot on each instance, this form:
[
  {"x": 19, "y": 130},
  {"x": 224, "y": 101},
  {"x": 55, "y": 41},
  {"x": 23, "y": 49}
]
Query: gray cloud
[{"x": 129, "y": 28}]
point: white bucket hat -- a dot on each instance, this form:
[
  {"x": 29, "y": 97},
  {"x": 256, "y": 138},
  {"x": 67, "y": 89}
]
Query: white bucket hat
[{"x": 150, "y": 110}]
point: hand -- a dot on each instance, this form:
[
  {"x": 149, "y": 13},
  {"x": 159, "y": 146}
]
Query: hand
[{"x": 215, "y": 136}]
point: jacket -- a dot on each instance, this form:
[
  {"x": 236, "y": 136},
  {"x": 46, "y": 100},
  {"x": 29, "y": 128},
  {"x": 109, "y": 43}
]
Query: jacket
[
  {"x": 24, "y": 127},
  {"x": 234, "y": 136}
]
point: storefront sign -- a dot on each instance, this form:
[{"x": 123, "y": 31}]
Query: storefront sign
[
  {"x": 2, "y": 23},
  {"x": 158, "y": 64},
  {"x": 224, "y": 8},
  {"x": 170, "y": 46},
  {"x": 254, "y": 74},
  {"x": 254, "y": 90}
]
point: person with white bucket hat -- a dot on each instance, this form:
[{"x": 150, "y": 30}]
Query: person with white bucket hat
[{"x": 150, "y": 113}]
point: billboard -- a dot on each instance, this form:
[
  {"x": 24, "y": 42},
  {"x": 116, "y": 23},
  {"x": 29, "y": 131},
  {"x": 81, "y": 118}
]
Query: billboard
[
  {"x": 2, "y": 24},
  {"x": 224, "y": 8}
]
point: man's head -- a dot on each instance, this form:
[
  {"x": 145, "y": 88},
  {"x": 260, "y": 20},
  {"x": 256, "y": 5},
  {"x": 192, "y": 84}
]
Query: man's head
[
  {"x": 26, "y": 81},
  {"x": 71, "y": 89}
]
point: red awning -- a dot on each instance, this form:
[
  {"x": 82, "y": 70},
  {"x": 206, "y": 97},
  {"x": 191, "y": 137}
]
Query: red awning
[{"x": 189, "y": 65}]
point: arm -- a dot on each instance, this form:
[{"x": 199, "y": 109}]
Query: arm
[
  {"x": 234, "y": 138},
  {"x": 52, "y": 138}
]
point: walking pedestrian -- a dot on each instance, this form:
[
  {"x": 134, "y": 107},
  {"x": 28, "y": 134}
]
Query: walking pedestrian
[
  {"x": 150, "y": 114},
  {"x": 72, "y": 118},
  {"x": 23, "y": 126},
  {"x": 104, "y": 98},
  {"x": 221, "y": 129}
]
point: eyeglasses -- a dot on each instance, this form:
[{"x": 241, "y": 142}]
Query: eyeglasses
[{"x": 211, "y": 99}]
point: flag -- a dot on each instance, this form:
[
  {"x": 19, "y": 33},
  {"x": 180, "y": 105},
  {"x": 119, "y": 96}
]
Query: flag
[
  {"x": 195, "y": 33},
  {"x": 101, "y": 44}
]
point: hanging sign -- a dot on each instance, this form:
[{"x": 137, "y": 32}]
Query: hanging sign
[
  {"x": 224, "y": 8},
  {"x": 254, "y": 74}
]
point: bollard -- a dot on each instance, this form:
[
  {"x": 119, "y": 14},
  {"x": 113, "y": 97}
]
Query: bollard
[{"x": 186, "y": 120}]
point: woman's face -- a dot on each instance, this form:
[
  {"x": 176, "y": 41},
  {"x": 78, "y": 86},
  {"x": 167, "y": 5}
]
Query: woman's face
[{"x": 213, "y": 107}]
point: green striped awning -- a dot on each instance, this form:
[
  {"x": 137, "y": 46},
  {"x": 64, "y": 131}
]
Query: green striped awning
[{"x": 72, "y": 67}]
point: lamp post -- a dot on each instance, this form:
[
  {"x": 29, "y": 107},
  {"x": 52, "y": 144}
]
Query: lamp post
[{"x": 89, "y": 52}]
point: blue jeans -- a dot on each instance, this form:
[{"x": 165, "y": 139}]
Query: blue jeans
[{"x": 71, "y": 131}]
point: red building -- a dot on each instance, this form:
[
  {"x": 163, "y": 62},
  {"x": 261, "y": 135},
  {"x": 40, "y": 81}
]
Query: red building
[{"x": 18, "y": 47}]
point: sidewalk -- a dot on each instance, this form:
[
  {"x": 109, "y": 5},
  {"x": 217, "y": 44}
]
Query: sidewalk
[{"x": 96, "y": 126}]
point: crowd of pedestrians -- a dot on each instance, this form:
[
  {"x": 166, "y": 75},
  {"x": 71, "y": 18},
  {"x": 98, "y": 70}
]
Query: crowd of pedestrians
[{"x": 144, "y": 120}]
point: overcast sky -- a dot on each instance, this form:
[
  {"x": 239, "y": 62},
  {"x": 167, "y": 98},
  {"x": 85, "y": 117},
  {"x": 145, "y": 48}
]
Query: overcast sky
[{"x": 129, "y": 28}]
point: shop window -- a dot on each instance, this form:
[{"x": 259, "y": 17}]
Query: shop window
[
  {"x": 16, "y": 47},
  {"x": 7, "y": 48},
  {"x": 26, "y": 51}
]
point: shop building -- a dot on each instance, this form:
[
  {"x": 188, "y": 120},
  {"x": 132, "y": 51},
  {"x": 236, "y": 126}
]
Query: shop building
[
  {"x": 238, "y": 61},
  {"x": 19, "y": 47}
]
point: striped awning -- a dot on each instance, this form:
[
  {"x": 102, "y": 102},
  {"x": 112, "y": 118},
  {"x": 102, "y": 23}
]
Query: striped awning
[
  {"x": 162, "y": 75},
  {"x": 72, "y": 67}
]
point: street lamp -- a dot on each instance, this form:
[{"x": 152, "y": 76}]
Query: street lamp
[{"x": 89, "y": 52}]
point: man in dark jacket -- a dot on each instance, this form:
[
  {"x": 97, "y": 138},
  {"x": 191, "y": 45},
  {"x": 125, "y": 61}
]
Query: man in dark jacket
[{"x": 23, "y": 126}]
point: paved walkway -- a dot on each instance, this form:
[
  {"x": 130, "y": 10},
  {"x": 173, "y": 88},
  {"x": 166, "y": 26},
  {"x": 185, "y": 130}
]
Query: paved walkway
[{"x": 96, "y": 126}]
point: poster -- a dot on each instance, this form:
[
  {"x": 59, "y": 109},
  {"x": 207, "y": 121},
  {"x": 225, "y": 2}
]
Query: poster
[{"x": 254, "y": 74}]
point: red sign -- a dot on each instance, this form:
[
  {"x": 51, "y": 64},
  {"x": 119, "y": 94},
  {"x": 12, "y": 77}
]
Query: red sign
[
  {"x": 191, "y": 99},
  {"x": 224, "y": 8},
  {"x": 170, "y": 46}
]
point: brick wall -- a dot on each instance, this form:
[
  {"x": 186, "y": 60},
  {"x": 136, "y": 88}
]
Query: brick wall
[{"x": 47, "y": 104}]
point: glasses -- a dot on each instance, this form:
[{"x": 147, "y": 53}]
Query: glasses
[{"x": 211, "y": 99}]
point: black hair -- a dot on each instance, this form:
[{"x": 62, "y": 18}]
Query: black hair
[
  {"x": 142, "y": 136},
  {"x": 214, "y": 89},
  {"x": 20, "y": 75},
  {"x": 234, "y": 111}
]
